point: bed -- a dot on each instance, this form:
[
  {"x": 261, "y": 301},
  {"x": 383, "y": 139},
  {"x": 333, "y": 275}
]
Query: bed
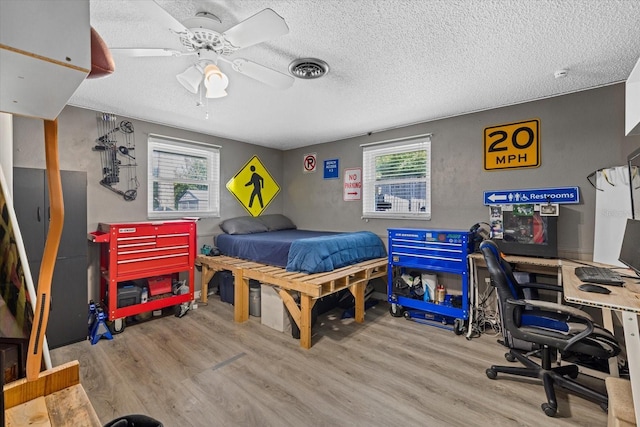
[
  {"x": 271, "y": 250},
  {"x": 275, "y": 240}
]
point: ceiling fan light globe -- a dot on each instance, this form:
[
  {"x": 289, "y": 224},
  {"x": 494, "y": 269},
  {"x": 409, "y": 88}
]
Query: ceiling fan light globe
[
  {"x": 215, "y": 81},
  {"x": 216, "y": 94},
  {"x": 190, "y": 79}
]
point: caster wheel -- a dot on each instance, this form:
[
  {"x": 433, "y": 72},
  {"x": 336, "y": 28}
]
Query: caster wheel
[
  {"x": 117, "y": 326},
  {"x": 491, "y": 373},
  {"x": 574, "y": 373},
  {"x": 458, "y": 327},
  {"x": 395, "y": 310},
  {"x": 549, "y": 410},
  {"x": 407, "y": 315},
  {"x": 510, "y": 357}
]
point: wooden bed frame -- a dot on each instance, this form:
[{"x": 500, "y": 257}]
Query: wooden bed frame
[{"x": 310, "y": 286}]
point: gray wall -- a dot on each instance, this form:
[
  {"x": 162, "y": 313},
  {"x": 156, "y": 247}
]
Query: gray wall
[
  {"x": 580, "y": 133},
  {"x": 77, "y": 132}
]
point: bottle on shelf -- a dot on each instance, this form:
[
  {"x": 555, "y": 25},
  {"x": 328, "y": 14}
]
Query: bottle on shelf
[
  {"x": 440, "y": 294},
  {"x": 144, "y": 296},
  {"x": 425, "y": 289}
]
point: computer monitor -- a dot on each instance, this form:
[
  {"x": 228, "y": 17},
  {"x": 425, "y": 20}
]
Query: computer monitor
[
  {"x": 633, "y": 161},
  {"x": 526, "y": 233},
  {"x": 630, "y": 250}
]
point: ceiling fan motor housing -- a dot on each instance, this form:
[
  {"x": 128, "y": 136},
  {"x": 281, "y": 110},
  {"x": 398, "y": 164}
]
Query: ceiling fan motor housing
[{"x": 202, "y": 27}]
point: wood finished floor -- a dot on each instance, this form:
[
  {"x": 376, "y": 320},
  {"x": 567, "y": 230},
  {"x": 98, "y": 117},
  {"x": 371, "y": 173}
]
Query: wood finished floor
[{"x": 205, "y": 370}]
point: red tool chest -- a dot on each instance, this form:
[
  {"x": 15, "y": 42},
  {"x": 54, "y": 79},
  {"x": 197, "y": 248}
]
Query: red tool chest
[{"x": 145, "y": 250}]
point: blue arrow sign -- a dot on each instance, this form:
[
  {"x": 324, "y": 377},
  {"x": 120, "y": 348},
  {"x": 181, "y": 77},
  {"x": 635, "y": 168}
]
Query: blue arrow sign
[{"x": 560, "y": 195}]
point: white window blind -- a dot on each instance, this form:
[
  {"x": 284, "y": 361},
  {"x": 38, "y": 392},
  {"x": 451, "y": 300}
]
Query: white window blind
[
  {"x": 184, "y": 178},
  {"x": 396, "y": 179}
]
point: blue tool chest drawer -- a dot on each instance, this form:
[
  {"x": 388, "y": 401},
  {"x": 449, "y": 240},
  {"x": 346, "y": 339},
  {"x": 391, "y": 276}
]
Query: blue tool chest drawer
[
  {"x": 429, "y": 251},
  {"x": 433, "y": 249}
]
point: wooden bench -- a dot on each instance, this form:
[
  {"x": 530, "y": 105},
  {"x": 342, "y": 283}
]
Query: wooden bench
[{"x": 56, "y": 398}]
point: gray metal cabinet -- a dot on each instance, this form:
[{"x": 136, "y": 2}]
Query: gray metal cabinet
[{"x": 68, "y": 315}]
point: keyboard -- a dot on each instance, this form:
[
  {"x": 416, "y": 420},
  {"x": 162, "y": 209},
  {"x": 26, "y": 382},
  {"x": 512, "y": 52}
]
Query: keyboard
[{"x": 601, "y": 275}]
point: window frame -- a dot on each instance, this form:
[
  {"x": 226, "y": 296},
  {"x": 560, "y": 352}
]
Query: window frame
[
  {"x": 370, "y": 183},
  {"x": 183, "y": 147}
]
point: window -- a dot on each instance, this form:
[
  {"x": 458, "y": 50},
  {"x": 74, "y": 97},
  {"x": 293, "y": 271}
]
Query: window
[
  {"x": 396, "y": 179},
  {"x": 184, "y": 178}
]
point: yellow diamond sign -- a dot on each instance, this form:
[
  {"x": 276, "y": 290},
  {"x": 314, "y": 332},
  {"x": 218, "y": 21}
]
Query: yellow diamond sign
[{"x": 254, "y": 187}]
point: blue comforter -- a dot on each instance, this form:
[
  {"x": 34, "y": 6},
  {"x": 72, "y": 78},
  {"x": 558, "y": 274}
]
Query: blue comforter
[
  {"x": 326, "y": 253},
  {"x": 270, "y": 247}
]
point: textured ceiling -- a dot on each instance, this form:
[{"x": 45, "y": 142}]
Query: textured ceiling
[{"x": 392, "y": 63}]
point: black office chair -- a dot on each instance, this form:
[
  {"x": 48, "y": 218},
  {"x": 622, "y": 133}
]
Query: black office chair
[
  {"x": 526, "y": 290},
  {"x": 552, "y": 327}
]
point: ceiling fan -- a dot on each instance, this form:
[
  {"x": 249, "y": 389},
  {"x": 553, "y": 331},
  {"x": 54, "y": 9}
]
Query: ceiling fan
[{"x": 211, "y": 47}]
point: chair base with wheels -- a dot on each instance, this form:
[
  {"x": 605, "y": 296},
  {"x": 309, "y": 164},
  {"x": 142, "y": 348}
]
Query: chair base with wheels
[{"x": 550, "y": 376}]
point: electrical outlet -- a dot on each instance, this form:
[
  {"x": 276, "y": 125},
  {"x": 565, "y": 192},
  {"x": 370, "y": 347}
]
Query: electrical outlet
[{"x": 196, "y": 295}]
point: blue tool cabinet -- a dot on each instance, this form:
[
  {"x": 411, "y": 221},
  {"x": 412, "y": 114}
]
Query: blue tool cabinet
[{"x": 431, "y": 251}]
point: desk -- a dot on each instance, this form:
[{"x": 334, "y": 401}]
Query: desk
[
  {"x": 552, "y": 267},
  {"x": 623, "y": 300}
]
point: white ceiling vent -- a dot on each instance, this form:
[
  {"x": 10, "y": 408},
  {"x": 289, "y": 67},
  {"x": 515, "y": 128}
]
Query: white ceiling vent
[{"x": 308, "y": 68}]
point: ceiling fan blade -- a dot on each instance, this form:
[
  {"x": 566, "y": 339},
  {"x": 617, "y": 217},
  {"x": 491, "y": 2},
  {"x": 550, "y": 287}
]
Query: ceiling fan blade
[
  {"x": 261, "y": 73},
  {"x": 155, "y": 12},
  {"x": 140, "y": 52},
  {"x": 262, "y": 26}
]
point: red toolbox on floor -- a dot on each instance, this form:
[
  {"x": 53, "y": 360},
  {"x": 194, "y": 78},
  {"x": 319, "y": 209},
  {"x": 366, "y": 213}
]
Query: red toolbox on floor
[{"x": 159, "y": 285}]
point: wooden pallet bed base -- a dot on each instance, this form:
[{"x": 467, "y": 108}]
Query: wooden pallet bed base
[{"x": 310, "y": 286}]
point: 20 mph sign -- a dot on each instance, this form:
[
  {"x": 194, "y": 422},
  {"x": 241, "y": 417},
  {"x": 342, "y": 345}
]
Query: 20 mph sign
[{"x": 512, "y": 146}]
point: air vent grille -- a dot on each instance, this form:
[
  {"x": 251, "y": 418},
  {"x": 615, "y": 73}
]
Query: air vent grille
[{"x": 308, "y": 68}]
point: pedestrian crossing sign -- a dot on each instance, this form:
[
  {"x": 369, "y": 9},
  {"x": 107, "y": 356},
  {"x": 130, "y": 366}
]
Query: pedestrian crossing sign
[{"x": 254, "y": 187}]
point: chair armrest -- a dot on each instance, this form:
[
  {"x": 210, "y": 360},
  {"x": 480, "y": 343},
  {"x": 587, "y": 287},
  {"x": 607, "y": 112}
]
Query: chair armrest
[
  {"x": 547, "y": 305},
  {"x": 571, "y": 311}
]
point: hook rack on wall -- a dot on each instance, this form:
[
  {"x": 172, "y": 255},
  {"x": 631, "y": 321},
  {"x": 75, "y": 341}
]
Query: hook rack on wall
[
  {"x": 592, "y": 178},
  {"x": 607, "y": 174}
]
